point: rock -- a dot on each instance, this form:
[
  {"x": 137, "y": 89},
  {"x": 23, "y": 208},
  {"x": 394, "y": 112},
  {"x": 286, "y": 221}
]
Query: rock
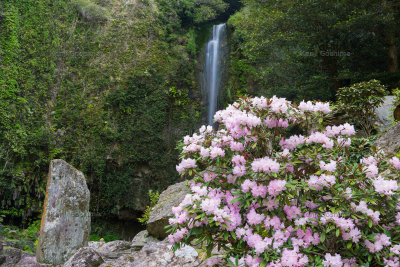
[
  {"x": 383, "y": 111},
  {"x": 396, "y": 113},
  {"x": 389, "y": 141},
  {"x": 95, "y": 244},
  {"x": 65, "y": 224},
  {"x": 187, "y": 252},
  {"x": 85, "y": 257},
  {"x": 13, "y": 256},
  {"x": 124, "y": 260},
  {"x": 141, "y": 239},
  {"x": 115, "y": 246},
  {"x": 161, "y": 212},
  {"x": 220, "y": 252},
  {"x": 115, "y": 249},
  {"x": 360, "y": 134},
  {"x": 156, "y": 255},
  {"x": 29, "y": 262}
]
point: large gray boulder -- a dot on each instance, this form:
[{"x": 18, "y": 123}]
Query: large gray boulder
[
  {"x": 141, "y": 239},
  {"x": 85, "y": 257},
  {"x": 65, "y": 224},
  {"x": 115, "y": 246},
  {"x": 96, "y": 244},
  {"x": 29, "y": 262},
  {"x": 161, "y": 212},
  {"x": 115, "y": 249},
  {"x": 383, "y": 111},
  {"x": 389, "y": 141},
  {"x": 12, "y": 257},
  {"x": 157, "y": 255}
]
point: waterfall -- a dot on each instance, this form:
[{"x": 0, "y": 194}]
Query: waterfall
[{"x": 212, "y": 80}]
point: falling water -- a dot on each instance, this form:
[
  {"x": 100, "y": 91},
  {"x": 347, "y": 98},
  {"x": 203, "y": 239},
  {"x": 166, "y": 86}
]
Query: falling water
[{"x": 215, "y": 56}]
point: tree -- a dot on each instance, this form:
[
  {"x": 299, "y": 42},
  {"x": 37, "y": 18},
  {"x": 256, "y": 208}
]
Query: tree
[{"x": 312, "y": 45}]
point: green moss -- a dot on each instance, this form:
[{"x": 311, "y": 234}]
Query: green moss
[{"x": 107, "y": 110}]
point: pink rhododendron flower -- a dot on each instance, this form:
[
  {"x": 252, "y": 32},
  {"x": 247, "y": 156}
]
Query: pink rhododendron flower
[
  {"x": 217, "y": 152},
  {"x": 330, "y": 167},
  {"x": 275, "y": 187},
  {"x": 386, "y": 187},
  {"x": 186, "y": 164},
  {"x": 247, "y": 185},
  {"x": 266, "y": 165},
  {"x": 395, "y": 161}
]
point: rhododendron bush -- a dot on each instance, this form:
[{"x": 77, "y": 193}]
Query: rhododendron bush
[{"x": 296, "y": 201}]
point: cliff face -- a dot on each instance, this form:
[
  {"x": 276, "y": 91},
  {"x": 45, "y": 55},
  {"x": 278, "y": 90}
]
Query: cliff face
[{"x": 109, "y": 86}]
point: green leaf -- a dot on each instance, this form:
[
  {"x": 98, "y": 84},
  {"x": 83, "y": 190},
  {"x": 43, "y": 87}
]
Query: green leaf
[
  {"x": 349, "y": 245},
  {"x": 233, "y": 235},
  {"x": 236, "y": 199},
  {"x": 263, "y": 263},
  {"x": 290, "y": 186},
  {"x": 322, "y": 237},
  {"x": 369, "y": 222},
  {"x": 337, "y": 232}
]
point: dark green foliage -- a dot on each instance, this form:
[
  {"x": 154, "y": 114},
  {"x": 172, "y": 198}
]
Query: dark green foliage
[
  {"x": 361, "y": 148},
  {"x": 94, "y": 238},
  {"x": 109, "y": 238},
  {"x": 306, "y": 50},
  {"x": 360, "y": 101}
]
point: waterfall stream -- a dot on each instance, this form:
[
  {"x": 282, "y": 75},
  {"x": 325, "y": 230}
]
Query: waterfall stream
[{"x": 215, "y": 56}]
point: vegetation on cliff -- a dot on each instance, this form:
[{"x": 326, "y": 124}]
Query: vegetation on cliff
[{"x": 108, "y": 86}]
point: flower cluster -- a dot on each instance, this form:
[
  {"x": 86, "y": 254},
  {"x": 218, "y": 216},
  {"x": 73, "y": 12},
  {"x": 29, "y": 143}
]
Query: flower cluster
[{"x": 294, "y": 201}]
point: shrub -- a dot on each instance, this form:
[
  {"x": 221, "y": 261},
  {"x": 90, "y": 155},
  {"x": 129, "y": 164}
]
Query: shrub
[
  {"x": 270, "y": 201},
  {"x": 32, "y": 231},
  {"x": 109, "y": 238},
  {"x": 361, "y": 100},
  {"x": 94, "y": 238},
  {"x": 153, "y": 201}
]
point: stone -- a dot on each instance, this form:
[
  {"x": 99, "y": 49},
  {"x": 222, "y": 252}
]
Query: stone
[
  {"x": 389, "y": 142},
  {"x": 85, "y": 257},
  {"x": 157, "y": 254},
  {"x": 141, "y": 239},
  {"x": 115, "y": 246},
  {"x": 124, "y": 260},
  {"x": 95, "y": 244},
  {"x": 65, "y": 224},
  {"x": 384, "y": 111},
  {"x": 13, "y": 256},
  {"x": 161, "y": 212},
  {"x": 29, "y": 262},
  {"x": 396, "y": 113},
  {"x": 115, "y": 249},
  {"x": 187, "y": 252}
]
